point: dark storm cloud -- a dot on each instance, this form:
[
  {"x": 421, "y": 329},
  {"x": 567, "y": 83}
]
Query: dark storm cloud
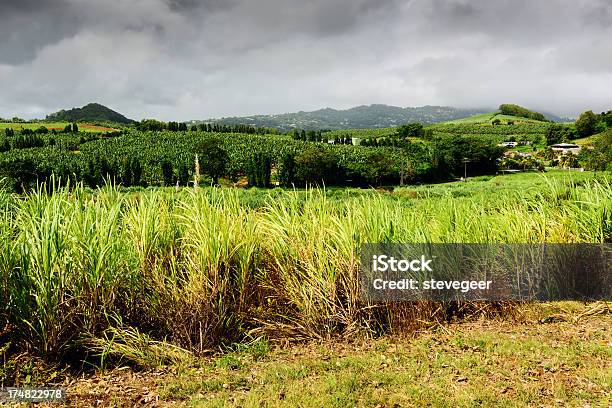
[
  {"x": 183, "y": 59},
  {"x": 26, "y": 26}
]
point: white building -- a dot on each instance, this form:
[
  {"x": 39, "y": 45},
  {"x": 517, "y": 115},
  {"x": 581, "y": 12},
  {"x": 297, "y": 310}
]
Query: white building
[{"x": 565, "y": 148}]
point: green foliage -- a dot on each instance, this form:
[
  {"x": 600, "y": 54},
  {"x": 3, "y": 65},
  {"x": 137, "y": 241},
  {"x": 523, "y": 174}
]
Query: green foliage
[
  {"x": 151, "y": 125},
  {"x": 521, "y": 163},
  {"x": 529, "y": 131},
  {"x": 27, "y": 140},
  {"x": 92, "y": 112},
  {"x": 516, "y": 110},
  {"x": 586, "y": 124},
  {"x": 18, "y": 174},
  {"x": 567, "y": 161},
  {"x": 155, "y": 125},
  {"x": 287, "y": 176},
  {"x": 600, "y": 157},
  {"x": 318, "y": 166},
  {"x": 410, "y": 154},
  {"x": 557, "y": 133},
  {"x": 167, "y": 173},
  {"x": 451, "y": 154},
  {"x": 213, "y": 158},
  {"x": 379, "y": 168},
  {"x": 92, "y": 158},
  {"x": 259, "y": 169},
  {"x": 410, "y": 130},
  {"x": 113, "y": 274}
]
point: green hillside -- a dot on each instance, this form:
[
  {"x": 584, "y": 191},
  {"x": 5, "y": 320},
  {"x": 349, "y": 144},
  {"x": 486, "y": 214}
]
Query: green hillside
[
  {"x": 93, "y": 112},
  {"x": 488, "y": 118}
]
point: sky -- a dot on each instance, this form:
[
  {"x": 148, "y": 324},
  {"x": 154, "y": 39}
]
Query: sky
[{"x": 189, "y": 59}]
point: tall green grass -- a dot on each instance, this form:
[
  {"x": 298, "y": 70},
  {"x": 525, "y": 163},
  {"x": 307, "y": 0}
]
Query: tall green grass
[{"x": 97, "y": 272}]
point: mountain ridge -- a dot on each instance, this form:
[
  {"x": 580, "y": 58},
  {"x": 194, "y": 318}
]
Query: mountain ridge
[{"x": 362, "y": 116}]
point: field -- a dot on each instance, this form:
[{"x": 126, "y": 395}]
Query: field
[
  {"x": 487, "y": 118},
  {"x": 59, "y": 126},
  {"x": 157, "y": 276},
  {"x": 585, "y": 141}
]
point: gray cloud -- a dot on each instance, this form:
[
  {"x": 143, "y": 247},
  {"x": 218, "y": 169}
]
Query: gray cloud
[
  {"x": 184, "y": 59},
  {"x": 28, "y": 26}
]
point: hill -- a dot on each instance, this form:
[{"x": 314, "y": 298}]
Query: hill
[
  {"x": 373, "y": 116},
  {"x": 488, "y": 118},
  {"x": 93, "y": 112}
]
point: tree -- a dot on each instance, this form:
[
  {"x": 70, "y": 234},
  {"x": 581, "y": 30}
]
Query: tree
[
  {"x": 183, "y": 174},
  {"x": 410, "y": 130},
  {"x": 585, "y": 124},
  {"x": 286, "y": 175},
  {"x": 259, "y": 169},
  {"x": 167, "y": 173},
  {"x": 317, "y": 165},
  {"x": 20, "y": 174},
  {"x": 75, "y": 128},
  {"x": 554, "y": 134},
  {"x": 151, "y": 125},
  {"x": 136, "y": 168},
  {"x": 377, "y": 168},
  {"x": 600, "y": 157},
  {"x": 449, "y": 153},
  {"x": 126, "y": 172},
  {"x": 213, "y": 158}
]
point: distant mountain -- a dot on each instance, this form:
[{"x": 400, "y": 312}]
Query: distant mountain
[
  {"x": 373, "y": 116},
  {"x": 554, "y": 118},
  {"x": 93, "y": 112}
]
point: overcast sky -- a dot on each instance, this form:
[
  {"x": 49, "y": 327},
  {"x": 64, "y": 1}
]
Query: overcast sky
[{"x": 189, "y": 59}]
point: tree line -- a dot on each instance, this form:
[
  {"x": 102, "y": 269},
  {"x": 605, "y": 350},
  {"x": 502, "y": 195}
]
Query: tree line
[{"x": 157, "y": 126}]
